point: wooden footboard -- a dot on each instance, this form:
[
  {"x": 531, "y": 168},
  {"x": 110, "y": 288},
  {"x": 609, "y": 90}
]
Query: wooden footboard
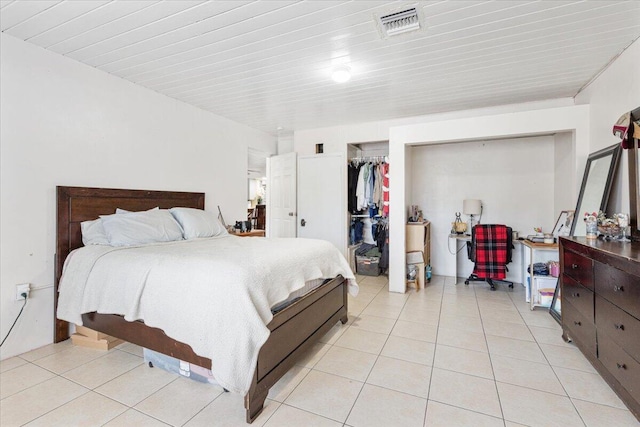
[{"x": 294, "y": 330}]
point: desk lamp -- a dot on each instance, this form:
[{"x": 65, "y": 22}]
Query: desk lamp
[{"x": 471, "y": 207}]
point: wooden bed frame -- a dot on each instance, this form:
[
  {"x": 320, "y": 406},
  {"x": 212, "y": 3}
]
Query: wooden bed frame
[{"x": 293, "y": 330}]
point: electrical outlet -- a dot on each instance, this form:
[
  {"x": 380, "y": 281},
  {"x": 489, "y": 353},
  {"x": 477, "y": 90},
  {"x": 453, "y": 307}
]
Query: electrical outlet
[{"x": 22, "y": 289}]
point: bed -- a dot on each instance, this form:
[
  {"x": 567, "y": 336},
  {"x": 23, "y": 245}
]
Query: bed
[{"x": 293, "y": 330}]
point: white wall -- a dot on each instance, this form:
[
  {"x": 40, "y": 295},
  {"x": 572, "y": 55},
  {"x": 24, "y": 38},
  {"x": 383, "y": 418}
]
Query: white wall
[
  {"x": 514, "y": 179},
  {"x": 64, "y": 123},
  {"x": 336, "y": 138},
  {"x": 566, "y": 182},
  {"x": 612, "y": 93},
  {"x": 285, "y": 143}
]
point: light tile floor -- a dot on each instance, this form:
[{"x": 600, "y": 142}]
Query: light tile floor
[{"x": 448, "y": 355}]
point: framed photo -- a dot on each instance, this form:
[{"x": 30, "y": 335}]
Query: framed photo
[{"x": 564, "y": 223}]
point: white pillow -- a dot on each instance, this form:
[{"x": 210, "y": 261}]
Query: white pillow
[
  {"x": 197, "y": 223},
  {"x": 121, "y": 211},
  {"x": 93, "y": 233},
  {"x": 138, "y": 228}
]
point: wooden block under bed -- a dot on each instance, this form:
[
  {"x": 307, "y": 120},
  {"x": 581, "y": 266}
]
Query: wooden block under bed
[{"x": 86, "y": 337}]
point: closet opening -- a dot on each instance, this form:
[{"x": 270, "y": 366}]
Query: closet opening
[{"x": 368, "y": 207}]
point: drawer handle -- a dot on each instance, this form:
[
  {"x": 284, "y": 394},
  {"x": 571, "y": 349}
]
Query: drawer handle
[
  {"x": 619, "y": 326},
  {"x": 576, "y": 294},
  {"x": 621, "y": 366},
  {"x": 577, "y": 323},
  {"x": 618, "y": 288},
  {"x": 574, "y": 266}
]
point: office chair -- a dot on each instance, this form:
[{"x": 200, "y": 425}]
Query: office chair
[{"x": 490, "y": 250}]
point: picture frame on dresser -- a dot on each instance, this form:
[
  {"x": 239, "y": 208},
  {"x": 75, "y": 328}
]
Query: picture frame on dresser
[{"x": 563, "y": 224}]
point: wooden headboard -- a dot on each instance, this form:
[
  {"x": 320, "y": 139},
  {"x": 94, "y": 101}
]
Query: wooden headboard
[{"x": 77, "y": 204}]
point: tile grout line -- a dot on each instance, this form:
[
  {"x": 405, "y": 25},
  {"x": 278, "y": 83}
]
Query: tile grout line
[
  {"x": 495, "y": 383},
  {"x": 377, "y": 355},
  {"x": 435, "y": 349}
]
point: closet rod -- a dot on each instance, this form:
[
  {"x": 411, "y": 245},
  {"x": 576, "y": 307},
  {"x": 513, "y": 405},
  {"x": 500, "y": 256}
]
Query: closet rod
[{"x": 370, "y": 159}]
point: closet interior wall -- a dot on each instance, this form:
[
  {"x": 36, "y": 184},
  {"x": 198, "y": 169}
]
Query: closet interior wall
[{"x": 375, "y": 152}]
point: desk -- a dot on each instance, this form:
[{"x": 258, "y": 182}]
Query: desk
[
  {"x": 537, "y": 252},
  {"x": 252, "y": 233},
  {"x": 464, "y": 238}
]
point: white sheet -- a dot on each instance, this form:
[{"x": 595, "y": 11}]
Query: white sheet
[{"x": 214, "y": 294}]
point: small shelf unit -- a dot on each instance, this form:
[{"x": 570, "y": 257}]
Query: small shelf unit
[{"x": 533, "y": 253}]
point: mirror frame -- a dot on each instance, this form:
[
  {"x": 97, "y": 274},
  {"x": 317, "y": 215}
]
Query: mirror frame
[
  {"x": 614, "y": 152},
  {"x": 634, "y": 181},
  {"x": 556, "y": 312}
]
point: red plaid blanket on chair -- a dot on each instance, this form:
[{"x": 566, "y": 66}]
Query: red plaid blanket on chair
[{"x": 491, "y": 251}]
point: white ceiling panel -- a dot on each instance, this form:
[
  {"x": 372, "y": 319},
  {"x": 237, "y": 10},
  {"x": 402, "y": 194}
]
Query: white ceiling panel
[
  {"x": 132, "y": 29},
  {"x": 305, "y": 44},
  {"x": 52, "y": 17},
  {"x": 268, "y": 63},
  {"x": 92, "y": 19},
  {"x": 153, "y": 11},
  {"x": 232, "y": 35},
  {"x": 442, "y": 62},
  {"x": 17, "y": 12},
  {"x": 172, "y": 29},
  {"x": 326, "y": 36}
]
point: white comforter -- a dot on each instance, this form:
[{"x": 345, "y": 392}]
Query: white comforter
[{"x": 213, "y": 294}]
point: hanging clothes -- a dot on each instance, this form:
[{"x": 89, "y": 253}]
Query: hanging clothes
[
  {"x": 370, "y": 184},
  {"x": 367, "y": 231},
  {"x": 360, "y": 186},
  {"x": 355, "y": 231},
  {"x": 366, "y": 182},
  {"x": 366, "y": 186},
  {"x": 377, "y": 187},
  {"x": 353, "y": 174},
  {"x": 384, "y": 258},
  {"x": 385, "y": 189}
]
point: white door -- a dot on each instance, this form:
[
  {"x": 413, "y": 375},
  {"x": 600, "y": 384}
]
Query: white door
[
  {"x": 281, "y": 196},
  {"x": 321, "y": 198}
]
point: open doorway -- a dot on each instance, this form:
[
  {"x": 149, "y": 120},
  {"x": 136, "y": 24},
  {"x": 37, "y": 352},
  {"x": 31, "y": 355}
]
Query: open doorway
[{"x": 256, "y": 188}]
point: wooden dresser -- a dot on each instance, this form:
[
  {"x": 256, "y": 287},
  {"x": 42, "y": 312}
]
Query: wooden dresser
[{"x": 601, "y": 309}]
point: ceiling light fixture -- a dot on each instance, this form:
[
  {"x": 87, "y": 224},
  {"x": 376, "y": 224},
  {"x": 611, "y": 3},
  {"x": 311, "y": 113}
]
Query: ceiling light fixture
[{"x": 341, "y": 74}]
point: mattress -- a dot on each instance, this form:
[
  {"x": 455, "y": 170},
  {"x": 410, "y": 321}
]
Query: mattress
[{"x": 297, "y": 294}]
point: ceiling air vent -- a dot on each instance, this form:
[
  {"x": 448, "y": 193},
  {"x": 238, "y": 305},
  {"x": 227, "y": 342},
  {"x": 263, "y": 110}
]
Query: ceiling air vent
[{"x": 399, "y": 22}]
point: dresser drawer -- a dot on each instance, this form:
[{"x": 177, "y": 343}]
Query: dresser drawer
[
  {"x": 621, "y": 327},
  {"x": 579, "y": 328},
  {"x": 622, "y": 366},
  {"x": 579, "y": 268},
  {"x": 619, "y": 287},
  {"x": 579, "y": 296}
]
